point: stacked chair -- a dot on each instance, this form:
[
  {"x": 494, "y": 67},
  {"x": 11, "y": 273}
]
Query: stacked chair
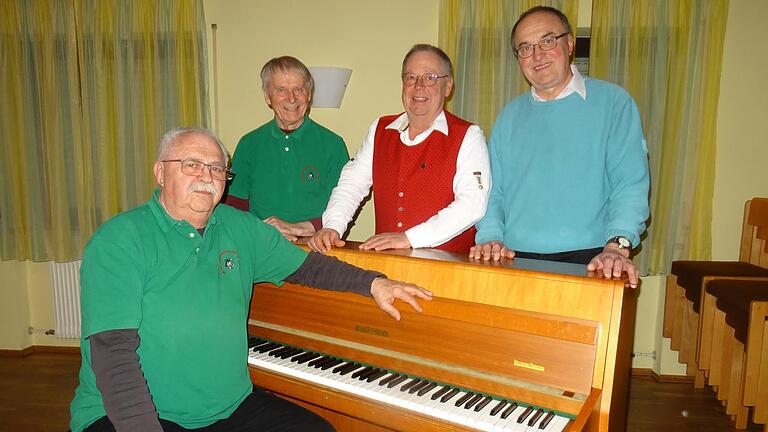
[{"x": 715, "y": 316}]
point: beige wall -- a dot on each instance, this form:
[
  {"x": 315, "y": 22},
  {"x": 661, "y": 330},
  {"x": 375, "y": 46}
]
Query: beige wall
[
  {"x": 26, "y": 301},
  {"x": 742, "y": 125},
  {"x": 249, "y": 33},
  {"x": 14, "y": 307}
]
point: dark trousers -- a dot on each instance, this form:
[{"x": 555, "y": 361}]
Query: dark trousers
[
  {"x": 260, "y": 411},
  {"x": 582, "y": 256}
]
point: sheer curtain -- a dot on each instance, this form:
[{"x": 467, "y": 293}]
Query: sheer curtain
[
  {"x": 668, "y": 56},
  {"x": 88, "y": 88},
  {"x": 475, "y": 35}
]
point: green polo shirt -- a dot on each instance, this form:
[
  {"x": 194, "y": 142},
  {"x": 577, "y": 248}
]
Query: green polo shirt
[
  {"x": 188, "y": 296},
  {"x": 290, "y": 176}
]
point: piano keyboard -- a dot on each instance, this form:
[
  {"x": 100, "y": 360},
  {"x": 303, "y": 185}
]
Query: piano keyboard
[{"x": 445, "y": 402}]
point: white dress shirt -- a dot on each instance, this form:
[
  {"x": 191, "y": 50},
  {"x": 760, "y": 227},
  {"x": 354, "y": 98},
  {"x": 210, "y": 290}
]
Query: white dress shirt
[
  {"x": 470, "y": 189},
  {"x": 575, "y": 85}
]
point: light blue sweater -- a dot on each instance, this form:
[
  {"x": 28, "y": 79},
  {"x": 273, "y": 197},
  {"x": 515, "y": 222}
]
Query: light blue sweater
[{"x": 568, "y": 174}]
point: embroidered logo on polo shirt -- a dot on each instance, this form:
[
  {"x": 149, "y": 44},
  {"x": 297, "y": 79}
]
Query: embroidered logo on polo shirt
[
  {"x": 309, "y": 174},
  {"x": 228, "y": 260}
]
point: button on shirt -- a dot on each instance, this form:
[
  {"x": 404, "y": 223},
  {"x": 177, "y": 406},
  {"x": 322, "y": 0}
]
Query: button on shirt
[{"x": 470, "y": 199}]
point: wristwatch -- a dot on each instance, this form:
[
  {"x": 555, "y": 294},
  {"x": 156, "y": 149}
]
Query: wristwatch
[{"x": 622, "y": 242}]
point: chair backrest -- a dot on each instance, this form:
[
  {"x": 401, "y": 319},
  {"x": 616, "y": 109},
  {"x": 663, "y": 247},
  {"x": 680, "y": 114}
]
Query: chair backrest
[{"x": 754, "y": 233}]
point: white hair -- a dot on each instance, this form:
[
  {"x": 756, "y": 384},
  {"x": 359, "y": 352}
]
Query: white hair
[{"x": 171, "y": 137}]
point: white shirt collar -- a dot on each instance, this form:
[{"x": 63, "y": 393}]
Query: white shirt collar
[
  {"x": 575, "y": 85},
  {"x": 401, "y": 124}
]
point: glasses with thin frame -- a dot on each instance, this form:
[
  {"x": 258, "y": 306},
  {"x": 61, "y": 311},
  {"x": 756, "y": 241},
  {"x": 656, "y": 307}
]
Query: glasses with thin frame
[
  {"x": 194, "y": 167},
  {"x": 546, "y": 44},
  {"x": 427, "y": 80}
]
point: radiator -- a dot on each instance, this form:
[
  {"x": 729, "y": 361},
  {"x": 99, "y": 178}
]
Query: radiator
[{"x": 65, "y": 278}]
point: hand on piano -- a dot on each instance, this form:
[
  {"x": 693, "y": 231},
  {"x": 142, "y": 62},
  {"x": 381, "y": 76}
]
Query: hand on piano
[
  {"x": 492, "y": 250},
  {"x": 324, "y": 240},
  {"x": 385, "y": 291},
  {"x": 613, "y": 261},
  {"x": 387, "y": 240}
]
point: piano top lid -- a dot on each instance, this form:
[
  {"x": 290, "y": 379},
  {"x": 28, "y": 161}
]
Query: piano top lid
[{"x": 525, "y": 264}]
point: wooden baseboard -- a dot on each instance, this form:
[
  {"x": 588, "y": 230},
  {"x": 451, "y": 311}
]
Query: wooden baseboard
[
  {"x": 645, "y": 372},
  {"x": 40, "y": 349}
]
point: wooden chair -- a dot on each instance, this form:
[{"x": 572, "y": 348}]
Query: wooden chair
[
  {"x": 684, "y": 285},
  {"x": 733, "y": 348}
]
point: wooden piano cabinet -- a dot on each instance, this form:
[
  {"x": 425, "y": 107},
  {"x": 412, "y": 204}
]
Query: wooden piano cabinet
[{"x": 576, "y": 327}]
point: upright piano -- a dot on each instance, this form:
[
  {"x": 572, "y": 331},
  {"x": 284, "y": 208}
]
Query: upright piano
[{"x": 522, "y": 345}]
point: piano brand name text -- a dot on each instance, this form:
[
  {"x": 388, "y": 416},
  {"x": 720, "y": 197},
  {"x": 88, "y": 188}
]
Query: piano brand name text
[{"x": 371, "y": 330}]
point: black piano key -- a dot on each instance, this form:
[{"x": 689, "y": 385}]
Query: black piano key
[
  {"x": 254, "y": 341},
  {"x": 331, "y": 364},
  {"x": 306, "y": 357},
  {"x": 268, "y": 347},
  {"x": 448, "y": 396},
  {"x": 548, "y": 418},
  {"x": 362, "y": 371},
  {"x": 397, "y": 381},
  {"x": 409, "y": 384},
  {"x": 323, "y": 362},
  {"x": 499, "y": 406},
  {"x": 462, "y": 400},
  {"x": 312, "y": 363},
  {"x": 426, "y": 389},
  {"x": 507, "y": 412},
  {"x": 480, "y": 405},
  {"x": 256, "y": 347},
  {"x": 340, "y": 367},
  {"x": 299, "y": 357},
  {"x": 279, "y": 351},
  {"x": 418, "y": 387},
  {"x": 291, "y": 353},
  {"x": 440, "y": 392},
  {"x": 364, "y": 376},
  {"x": 349, "y": 368},
  {"x": 377, "y": 375},
  {"x": 535, "y": 417},
  {"x": 388, "y": 379},
  {"x": 472, "y": 401},
  {"x": 525, "y": 414}
]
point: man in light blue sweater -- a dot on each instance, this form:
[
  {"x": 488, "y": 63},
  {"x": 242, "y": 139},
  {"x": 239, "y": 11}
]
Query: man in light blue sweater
[{"x": 569, "y": 161}]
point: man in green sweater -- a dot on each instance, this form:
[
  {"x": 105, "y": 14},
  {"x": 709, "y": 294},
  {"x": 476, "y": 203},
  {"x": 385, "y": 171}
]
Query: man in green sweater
[
  {"x": 287, "y": 168},
  {"x": 165, "y": 292},
  {"x": 569, "y": 161}
]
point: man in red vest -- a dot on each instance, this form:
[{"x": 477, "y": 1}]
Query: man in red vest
[{"x": 428, "y": 168}]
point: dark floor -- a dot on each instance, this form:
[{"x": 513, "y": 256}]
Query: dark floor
[{"x": 35, "y": 392}]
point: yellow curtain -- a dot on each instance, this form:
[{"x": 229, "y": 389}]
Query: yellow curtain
[
  {"x": 88, "y": 88},
  {"x": 476, "y": 36},
  {"x": 668, "y": 56}
]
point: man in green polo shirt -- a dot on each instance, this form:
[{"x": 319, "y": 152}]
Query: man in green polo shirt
[
  {"x": 287, "y": 168},
  {"x": 165, "y": 291}
]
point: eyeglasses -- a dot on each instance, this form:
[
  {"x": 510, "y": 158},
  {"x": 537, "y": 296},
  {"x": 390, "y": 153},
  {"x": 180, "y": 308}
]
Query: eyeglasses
[
  {"x": 428, "y": 80},
  {"x": 194, "y": 167},
  {"x": 546, "y": 44}
]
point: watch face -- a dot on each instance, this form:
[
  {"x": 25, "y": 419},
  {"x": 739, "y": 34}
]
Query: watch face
[{"x": 623, "y": 242}]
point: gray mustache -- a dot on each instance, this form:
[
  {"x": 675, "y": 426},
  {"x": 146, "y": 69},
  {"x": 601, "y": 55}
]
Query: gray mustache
[{"x": 202, "y": 187}]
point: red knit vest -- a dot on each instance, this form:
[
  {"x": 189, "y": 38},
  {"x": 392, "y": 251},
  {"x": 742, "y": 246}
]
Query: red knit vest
[{"x": 412, "y": 183}]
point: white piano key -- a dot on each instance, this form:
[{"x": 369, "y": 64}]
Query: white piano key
[
  {"x": 482, "y": 419},
  {"x": 510, "y": 423},
  {"x": 557, "y": 424}
]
